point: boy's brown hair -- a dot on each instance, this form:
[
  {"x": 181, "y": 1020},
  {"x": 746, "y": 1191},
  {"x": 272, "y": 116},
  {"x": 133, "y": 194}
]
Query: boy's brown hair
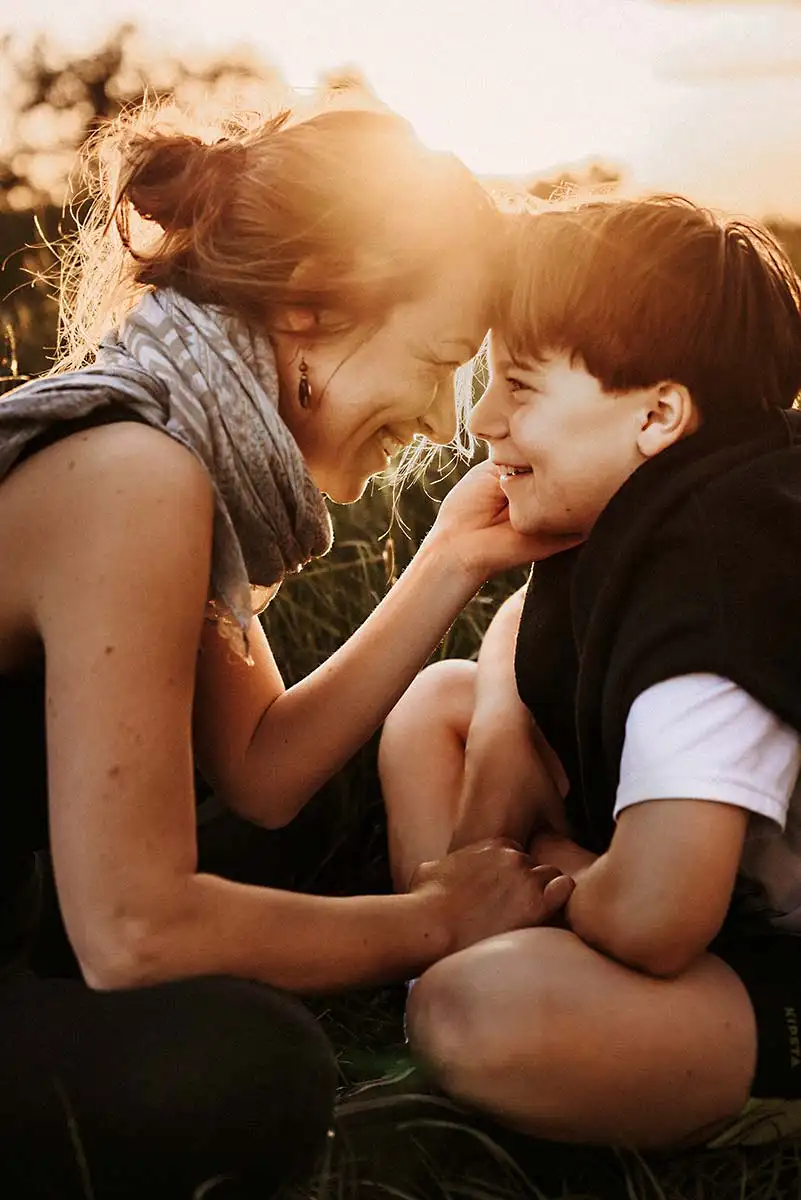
[{"x": 645, "y": 291}]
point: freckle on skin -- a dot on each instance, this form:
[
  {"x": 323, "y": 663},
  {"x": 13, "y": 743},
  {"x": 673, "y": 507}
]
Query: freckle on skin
[
  {"x": 71, "y": 464},
  {"x": 114, "y": 771},
  {"x": 109, "y": 650}
]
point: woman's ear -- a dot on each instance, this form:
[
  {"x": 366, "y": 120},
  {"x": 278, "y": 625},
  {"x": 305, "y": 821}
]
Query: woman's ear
[
  {"x": 299, "y": 321},
  {"x": 669, "y": 414}
]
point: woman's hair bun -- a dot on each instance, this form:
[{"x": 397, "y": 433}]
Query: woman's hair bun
[{"x": 174, "y": 179}]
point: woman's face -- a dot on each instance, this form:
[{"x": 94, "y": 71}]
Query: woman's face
[
  {"x": 373, "y": 391},
  {"x": 564, "y": 446}
]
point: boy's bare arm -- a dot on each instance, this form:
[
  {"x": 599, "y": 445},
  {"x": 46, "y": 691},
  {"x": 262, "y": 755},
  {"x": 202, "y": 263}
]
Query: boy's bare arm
[{"x": 658, "y": 896}]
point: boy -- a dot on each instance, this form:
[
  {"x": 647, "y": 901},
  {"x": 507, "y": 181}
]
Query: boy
[{"x": 644, "y": 734}]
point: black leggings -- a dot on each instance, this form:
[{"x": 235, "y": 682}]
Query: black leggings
[
  {"x": 158, "y": 1089},
  {"x": 151, "y": 1092}
]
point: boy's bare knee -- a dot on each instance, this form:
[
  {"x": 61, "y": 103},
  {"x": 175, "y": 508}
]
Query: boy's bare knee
[
  {"x": 440, "y": 1021},
  {"x": 442, "y": 693},
  {"x": 464, "y": 1014}
]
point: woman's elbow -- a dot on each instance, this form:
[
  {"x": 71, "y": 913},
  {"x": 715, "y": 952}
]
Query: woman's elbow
[
  {"x": 272, "y": 806},
  {"x": 134, "y": 950},
  {"x": 129, "y": 960},
  {"x": 268, "y": 814}
]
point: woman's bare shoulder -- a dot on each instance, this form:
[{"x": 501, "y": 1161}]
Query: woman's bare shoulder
[{"x": 89, "y": 518}]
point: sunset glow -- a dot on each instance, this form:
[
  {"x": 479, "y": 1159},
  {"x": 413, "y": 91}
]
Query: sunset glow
[{"x": 701, "y": 97}]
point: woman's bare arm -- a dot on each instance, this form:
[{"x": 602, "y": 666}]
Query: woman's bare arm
[
  {"x": 272, "y": 748},
  {"x": 123, "y": 520}
]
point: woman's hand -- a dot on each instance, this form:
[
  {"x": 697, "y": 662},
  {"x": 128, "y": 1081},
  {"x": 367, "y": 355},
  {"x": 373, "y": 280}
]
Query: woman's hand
[
  {"x": 488, "y": 888},
  {"x": 473, "y": 525}
]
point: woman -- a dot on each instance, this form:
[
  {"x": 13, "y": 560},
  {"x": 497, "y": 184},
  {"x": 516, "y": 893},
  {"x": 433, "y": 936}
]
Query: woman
[
  {"x": 644, "y": 721},
  {"x": 278, "y": 313}
]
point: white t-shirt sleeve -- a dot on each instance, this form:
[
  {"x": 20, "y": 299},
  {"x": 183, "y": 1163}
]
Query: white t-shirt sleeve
[{"x": 701, "y": 737}]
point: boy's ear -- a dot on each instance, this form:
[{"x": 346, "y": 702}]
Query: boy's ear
[{"x": 669, "y": 414}]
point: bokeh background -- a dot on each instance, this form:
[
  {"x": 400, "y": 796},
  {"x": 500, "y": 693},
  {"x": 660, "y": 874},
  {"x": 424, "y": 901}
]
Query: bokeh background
[{"x": 695, "y": 96}]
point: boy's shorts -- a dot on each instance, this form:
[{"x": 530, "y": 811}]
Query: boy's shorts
[{"x": 769, "y": 966}]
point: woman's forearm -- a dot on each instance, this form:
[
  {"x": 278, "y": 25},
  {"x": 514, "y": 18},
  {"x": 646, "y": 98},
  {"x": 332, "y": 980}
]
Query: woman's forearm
[
  {"x": 211, "y": 926},
  {"x": 311, "y": 730}
]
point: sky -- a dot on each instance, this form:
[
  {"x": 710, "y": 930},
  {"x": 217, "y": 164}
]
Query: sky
[{"x": 702, "y": 97}]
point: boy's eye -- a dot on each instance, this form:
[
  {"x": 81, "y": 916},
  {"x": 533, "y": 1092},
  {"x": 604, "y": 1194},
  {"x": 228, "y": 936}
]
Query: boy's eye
[{"x": 516, "y": 384}]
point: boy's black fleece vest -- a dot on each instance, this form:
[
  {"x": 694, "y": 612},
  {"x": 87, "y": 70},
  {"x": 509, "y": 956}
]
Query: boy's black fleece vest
[{"x": 694, "y": 566}]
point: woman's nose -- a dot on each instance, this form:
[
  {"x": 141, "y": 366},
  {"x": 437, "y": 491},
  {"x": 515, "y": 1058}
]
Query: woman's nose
[{"x": 440, "y": 421}]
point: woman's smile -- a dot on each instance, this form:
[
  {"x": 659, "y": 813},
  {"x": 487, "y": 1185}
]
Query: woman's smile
[{"x": 389, "y": 444}]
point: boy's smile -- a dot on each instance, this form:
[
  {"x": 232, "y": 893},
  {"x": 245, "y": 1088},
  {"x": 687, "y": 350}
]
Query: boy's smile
[{"x": 562, "y": 444}]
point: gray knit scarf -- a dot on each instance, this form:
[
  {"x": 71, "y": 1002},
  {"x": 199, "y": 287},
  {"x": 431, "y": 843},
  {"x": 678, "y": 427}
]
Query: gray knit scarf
[{"x": 210, "y": 383}]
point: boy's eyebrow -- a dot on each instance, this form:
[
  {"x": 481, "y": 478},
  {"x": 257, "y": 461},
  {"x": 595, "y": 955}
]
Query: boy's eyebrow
[{"x": 528, "y": 366}]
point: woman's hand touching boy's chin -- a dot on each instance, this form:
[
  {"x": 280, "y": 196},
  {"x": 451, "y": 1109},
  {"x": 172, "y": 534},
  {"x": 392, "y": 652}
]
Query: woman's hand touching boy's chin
[{"x": 473, "y": 527}]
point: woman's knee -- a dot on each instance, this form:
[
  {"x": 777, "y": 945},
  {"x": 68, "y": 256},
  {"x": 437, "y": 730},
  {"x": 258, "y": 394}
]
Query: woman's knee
[
  {"x": 172, "y": 1084},
  {"x": 242, "y": 1079},
  {"x": 262, "y": 1044}
]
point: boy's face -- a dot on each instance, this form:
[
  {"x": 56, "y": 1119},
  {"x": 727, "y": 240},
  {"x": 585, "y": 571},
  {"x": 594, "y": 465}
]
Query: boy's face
[{"x": 567, "y": 444}]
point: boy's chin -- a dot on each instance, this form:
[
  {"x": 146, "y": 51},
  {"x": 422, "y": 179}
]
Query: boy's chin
[
  {"x": 534, "y": 524},
  {"x": 527, "y": 523}
]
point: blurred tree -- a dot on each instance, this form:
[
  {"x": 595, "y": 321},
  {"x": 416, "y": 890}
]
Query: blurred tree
[
  {"x": 561, "y": 184},
  {"x": 54, "y": 101},
  {"x": 57, "y": 102},
  {"x": 348, "y": 87}
]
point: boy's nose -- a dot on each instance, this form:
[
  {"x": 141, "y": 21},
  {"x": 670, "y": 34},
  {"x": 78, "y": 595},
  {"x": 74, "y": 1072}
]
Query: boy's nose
[{"x": 487, "y": 421}]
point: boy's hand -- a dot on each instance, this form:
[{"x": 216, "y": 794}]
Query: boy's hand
[{"x": 548, "y": 846}]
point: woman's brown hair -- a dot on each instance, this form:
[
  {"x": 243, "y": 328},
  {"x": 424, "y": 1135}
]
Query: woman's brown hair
[
  {"x": 660, "y": 289},
  {"x": 345, "y": 212}
]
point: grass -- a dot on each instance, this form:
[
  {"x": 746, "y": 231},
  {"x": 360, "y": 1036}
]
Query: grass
[{"x": 400, "y": 1149}]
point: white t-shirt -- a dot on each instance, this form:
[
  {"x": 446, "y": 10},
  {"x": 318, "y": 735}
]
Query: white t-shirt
[{"x": 701, "y": 737}]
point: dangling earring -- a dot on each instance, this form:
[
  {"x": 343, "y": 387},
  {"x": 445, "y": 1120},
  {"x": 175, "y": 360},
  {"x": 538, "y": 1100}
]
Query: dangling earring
[{"x": 304, "y": 387}]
